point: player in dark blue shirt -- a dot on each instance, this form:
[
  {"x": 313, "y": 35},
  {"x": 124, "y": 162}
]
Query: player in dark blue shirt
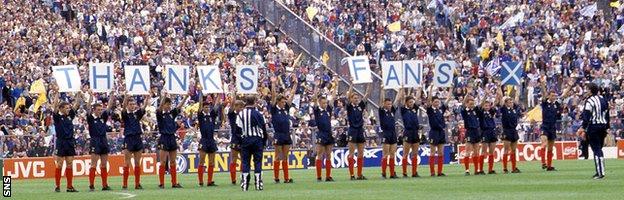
[
  {"x": 99, "y": 149},
  {"x": 167, "y": 142},
  {"x": 510, "y": 114},
  {"x": 280, "y": 119},
  {"x": 551, "y": 115},
  {"x": 469, "y": 113},
  {"x": 207, "y": 117},
  {"x": 63, "y": 116},
  {"x": 411, "y": 135},
  {"x": 387, "y": 122},
  {"x": 355, "y": 117},
  {"x": 131, "y": 116},
  {"x": 324, "y": 138},
  {"x": 437, "y": 137},
  {"x": 487, "y": 115},
  {"x": 235, "y": 137}
]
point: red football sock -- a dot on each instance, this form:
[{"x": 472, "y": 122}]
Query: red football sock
[
  {"x": 276, "y": 168},
  {"x": 404, "y": 164},
  {"x": 57, "y": 177},
  {"x": 481, "y": 160},
  {"x": 440, "y": 164},
  {"x": 328, "y": 168},
  {"x": 513, "y": 161},
  {"x": 490, "y": 162},
  {"x": 392, "y": 164},
  {"x": 161, "y": 175},
  {"x": 360, "y": 162},
  {"x": 475, "y": 160},
  {"x": 200, "y": 174},
  {"x": 432, "y": 164},
  {"x": 285, "y": 168},
  {"x": 126, "y": 173},
  {"x": 318, "y": 168},
  {"x": 351, "y": 165},
  {"x": 69, "y": 174},
  {"x": 104, "y": 176},
  {"x": 466, "y": 163},
  {"x": 541, "y": 153},
  {"x": 384, "y": 162},
  {"x": 414, "y": 165},
  {"x": 91, "y": 176},
  {"x": 174, "y": 174},
  {"x": 550, "y": 157},
  {"x": 210, "y": 173},
  {"x": 505, "y": 161},
  {"x": 137, "y": 175},
  {"x": 232, "y": 170}
]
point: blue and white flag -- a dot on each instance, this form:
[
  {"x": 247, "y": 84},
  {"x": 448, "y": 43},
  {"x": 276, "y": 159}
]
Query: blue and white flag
[
  {"x": 513, "y": 21},
  {"x": 511, "y": 73},
  {"x": 589, "y": 11}
]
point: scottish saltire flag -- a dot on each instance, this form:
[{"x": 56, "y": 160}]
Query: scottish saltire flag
[
  {"x": 511, "y": 73},
  {"x": 492, "y": 67}
]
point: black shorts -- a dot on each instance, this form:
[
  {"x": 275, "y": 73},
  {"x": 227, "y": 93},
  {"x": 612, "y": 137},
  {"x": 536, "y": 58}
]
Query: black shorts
[
  {"x": 133, "y": 143},
  {"x": 207, "y": 146},
  {"x": 489, "y": 136},
  {"x": 550, "y": 133},
  {"x": 324, "y": 139},
  {"x": 99, "y": 146},
  {"x": 167, "y": 142},
  {"x": 510, "y": 135},
  {"x": 65, "y": 147},
  {"x": 389, "y": 138},
  {"x": 473, "y": 136},
  {"x": 282, "y": 139},
  {"x": 411, "y": 137},
  {"x": 437, "y": 137},
  {"x": 356, "y": 135}
]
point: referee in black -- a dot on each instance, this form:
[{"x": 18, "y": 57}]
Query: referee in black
[
  {"x": 595, "y": 125},
  {"x": 254, "y": 136}
]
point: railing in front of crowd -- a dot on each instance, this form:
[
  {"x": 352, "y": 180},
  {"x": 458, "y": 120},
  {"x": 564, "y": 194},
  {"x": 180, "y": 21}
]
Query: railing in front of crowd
[{"x": 38, "y": 145}]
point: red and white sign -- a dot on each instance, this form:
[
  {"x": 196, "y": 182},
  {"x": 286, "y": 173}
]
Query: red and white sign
[
  {"x": 44, "y": 167},
  {"x": 620, "y": 149},
  {"x": 567, "y": 150}
]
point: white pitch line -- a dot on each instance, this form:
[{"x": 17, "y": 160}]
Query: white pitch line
[{"x": 126, "y": 195}]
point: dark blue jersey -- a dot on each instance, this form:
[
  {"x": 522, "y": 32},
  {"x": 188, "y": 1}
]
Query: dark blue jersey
[
  {"x": 63, "y": 124},
  {"x": 410, "y": 118},
  {"x": 355, "y": 114},
  {"x": 132, "y": 122},
  {"x": 323, "y": 119},
  {"x": 470, "y": 117},
  {"x": 436, "y": 117},
  {"x": 207, "y": 124},
  {"x": 387, "y": 120},
  {"x": 551, "y": 113},
  {"x": 166, "y": 121},
  {"x": 280, "y": 119},
  {"x": 510, "y": 117},
  {"x": 486, "y": 118},
  {"x": 234, "y": 129},
  {"x": 97, "y": 125}
]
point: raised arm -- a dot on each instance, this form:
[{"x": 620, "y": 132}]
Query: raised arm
[
  {"x": 274, "y": 91},
  {"x": 181, "y": 104},
  {"x": 499, "y": 95},
  {"x": 201, "y": 101},
  {"x": 111, "y": 100},
  {"x": 399, "y": 97},
  {"x": 125, "y": 102},
  {"x": 78, "y": 100},
  {"x": 382, "y": 96},
  {"x": 293, "y": 89},
  {"x": 56, "y": 100},
  {"x": 146, "y": 100},
  {"x": 368, "y": 89}
]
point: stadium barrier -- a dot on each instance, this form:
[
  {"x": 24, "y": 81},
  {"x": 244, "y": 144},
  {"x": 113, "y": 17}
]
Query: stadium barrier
[
  {"x": 620, "y": 149},
  {"x": 43, "y": 167},
  {"x": 563, "y": 150}
]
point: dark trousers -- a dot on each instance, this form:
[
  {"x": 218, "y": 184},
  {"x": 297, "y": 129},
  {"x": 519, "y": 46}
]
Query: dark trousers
[
  {"x": 584, "y": 146},
  {"x": 596, "y": 135},
  {"x": 252, "y": 146}
]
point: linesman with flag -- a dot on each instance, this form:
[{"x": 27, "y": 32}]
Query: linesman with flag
[{"x": 595, "y": 125}]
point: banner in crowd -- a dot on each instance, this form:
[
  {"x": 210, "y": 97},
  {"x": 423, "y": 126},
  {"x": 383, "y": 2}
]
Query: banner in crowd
[
  {"x": 177, "y": 79},
  {"x": 247, "y": 79},
  {"x": 359, "y": 69},
  {"x": 443, "y": 74},
  {"x": 137, "y": 79},
  {"x": 563, "y": 150},
  {"x": 620, "y": 149},
  {"x": 511, "y": 73},
  {"x": 101, "y": 77},
  {"x": 67, "y": 78},
  {"x": 210, "y": 79}
]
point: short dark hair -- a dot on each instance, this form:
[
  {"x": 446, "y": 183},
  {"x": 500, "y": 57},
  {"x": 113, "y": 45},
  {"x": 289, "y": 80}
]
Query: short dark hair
[
  {"x": 593, "y": 88},
  {"x": 250, "y": 100},
  {"x": 408, "y": 98},
  {"x": 280, "y": 97},
  {"x": 166, "y": 100},
  {"x": 387, "y": 99},
  {"x": 63, "y": 104},
  {"x": 96, "y": 105}
]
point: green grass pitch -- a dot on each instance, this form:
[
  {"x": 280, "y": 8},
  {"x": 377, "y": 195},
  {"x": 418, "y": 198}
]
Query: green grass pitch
[{"x": 571, "y": 181}]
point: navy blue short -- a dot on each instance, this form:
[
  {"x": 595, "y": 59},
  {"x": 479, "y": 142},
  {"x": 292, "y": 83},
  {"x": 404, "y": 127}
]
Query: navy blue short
[
  {"x": 325, "y": 139},
  {"x": 510, "y": 135},
  {"x": 99, "y": 146},
  {"x": 550, "y": 133},
  {"x": 282, "y": 139},
  {"x": 389, "y": 138},
  {"x": 133, "y": 143},
  {"x": 473, "y": 136},
  {"x": 437, "y": 137},
  {"x": 167, "y": 142},
  {"x": 489, "y": 136},
  {"x": 411, "y": 137},
  {"x": 356, "y": 135},
  {"x": 207, "y": 146},
  {"x": 65, "y": 147}
]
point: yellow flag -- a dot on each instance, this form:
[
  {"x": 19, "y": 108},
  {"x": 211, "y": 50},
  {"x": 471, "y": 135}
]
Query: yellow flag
[
  {"x": 325, "y": 57},
  {"x": 193, "y": 108},
  {"x": 394, "y": 27},
  {"x": 499, "y": 38},
  {"x": 615, "y": 4},
  {"x": 20, "y": 102},
  {"x": 40, "y": 101},
  {"x": 485, "y": 54},
  {"x": 311, "y": 11},
  {"x": 37, "y": 87},
  {"x": 535, "y": 114},
  {"x": 527, "y": 65}
]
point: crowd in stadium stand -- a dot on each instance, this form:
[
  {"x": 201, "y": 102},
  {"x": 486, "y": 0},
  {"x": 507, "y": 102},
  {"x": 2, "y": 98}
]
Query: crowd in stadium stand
[{"x": 554, "y": 40}]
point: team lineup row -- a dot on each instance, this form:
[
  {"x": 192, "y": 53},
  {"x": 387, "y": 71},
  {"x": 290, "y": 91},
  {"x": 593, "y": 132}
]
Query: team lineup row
[{"x": 249, "y": 135}]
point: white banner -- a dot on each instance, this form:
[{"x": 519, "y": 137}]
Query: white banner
[
  {"x": 177, "y": 79},
  {"x": 101, "y": 77},
  {"x": 67, "y": 78},
  {"x": 359, "y": 69},
  {"x": 392, "y": 74},
  {"x": 247, "y": 79},
  {"x": 413, "y": 73},
  {"x": 443, "y": 74},
  {"x": 210, "y": 79},
  {"x": 137, "y": 79}
]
